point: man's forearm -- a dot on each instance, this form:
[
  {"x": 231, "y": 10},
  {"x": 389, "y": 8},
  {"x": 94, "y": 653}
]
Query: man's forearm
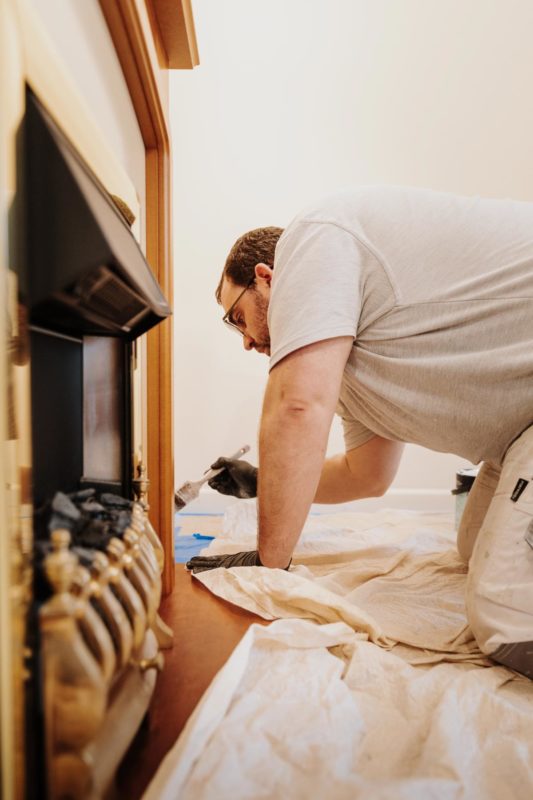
[
  {"x": 338, "y": 484},
  {"x": 359, "y": 473},
  {"x": 300, "y": 400},
  {"x": 292, "y": 444},
  {"x": 366, "y": 471}
]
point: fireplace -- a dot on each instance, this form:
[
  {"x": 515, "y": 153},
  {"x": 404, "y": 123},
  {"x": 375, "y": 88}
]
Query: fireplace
[
  {"x": 85, "y": 398},
  {"x": 88, "y": 294}
]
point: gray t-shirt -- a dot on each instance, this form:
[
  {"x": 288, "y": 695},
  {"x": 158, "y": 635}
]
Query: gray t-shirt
[{"x": 437, "y": 291}]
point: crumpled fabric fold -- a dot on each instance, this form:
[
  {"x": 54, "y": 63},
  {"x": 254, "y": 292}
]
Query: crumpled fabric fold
[
  {"x": 368, "y": 684},
  {"x": 305, "y": 710},
  {"x": 395, "y": 576}
]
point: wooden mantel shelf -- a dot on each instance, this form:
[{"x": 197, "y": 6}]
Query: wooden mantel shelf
[
  {"x": 151, "y": 36},
  {"x": 176, "y": 26}
]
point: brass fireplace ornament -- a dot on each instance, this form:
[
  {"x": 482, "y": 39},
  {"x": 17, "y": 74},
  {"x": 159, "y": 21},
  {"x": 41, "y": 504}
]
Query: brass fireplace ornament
[
  {"x": 85, "y": 261},
  {"x": 99, "y": 631}
]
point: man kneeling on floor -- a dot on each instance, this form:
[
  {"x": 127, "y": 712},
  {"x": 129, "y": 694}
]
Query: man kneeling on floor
[{"x": 410, "y": 313}]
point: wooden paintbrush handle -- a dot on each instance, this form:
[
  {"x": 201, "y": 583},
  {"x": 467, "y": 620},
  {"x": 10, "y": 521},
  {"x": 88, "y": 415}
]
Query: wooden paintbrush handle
[{"x": 212, "y": 472}]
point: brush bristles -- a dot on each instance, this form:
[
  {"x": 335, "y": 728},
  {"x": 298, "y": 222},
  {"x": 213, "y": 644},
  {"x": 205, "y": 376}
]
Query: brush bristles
[{"x": 179, "y": 502}]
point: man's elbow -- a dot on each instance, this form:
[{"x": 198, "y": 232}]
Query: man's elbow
[
  {"x": 297, "y": 407},
  {"x": 374, "y": 485},
  {"x": 378, "y": 488}
]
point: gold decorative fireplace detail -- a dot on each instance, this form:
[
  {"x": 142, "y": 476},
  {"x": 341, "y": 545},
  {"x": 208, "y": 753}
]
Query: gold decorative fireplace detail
[
  {"x": 116, "y": 673},
  {"x": 101, "y": 639}
]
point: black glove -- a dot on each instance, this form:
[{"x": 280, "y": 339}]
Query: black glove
[
  {"x": 250, "y": 558},
  {"x": 246, "y": 559},
  {"x": 238, "y": 478}
]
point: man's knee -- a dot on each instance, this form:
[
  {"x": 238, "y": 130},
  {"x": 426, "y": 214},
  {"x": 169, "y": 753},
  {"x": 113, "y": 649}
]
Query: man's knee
[
  {"x": 498, "y": 629},
  {"x": 476, "y": 508},
  {"x": 517, "y": 656}
]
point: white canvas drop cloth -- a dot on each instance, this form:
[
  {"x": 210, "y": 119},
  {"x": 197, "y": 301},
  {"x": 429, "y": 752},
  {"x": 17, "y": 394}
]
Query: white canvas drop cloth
[{"x": 372, "y": 686}]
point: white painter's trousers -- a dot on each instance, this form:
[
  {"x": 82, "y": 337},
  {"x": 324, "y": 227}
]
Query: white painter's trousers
[{"x": 496, "y": 538}]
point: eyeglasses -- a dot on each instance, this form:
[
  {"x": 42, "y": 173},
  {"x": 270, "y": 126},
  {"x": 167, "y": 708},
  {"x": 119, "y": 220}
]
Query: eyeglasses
[{"x": 227, "y": 316}]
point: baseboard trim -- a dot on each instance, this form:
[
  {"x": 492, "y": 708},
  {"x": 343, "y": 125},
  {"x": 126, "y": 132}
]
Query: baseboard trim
[{"x": 437, "y": 500}]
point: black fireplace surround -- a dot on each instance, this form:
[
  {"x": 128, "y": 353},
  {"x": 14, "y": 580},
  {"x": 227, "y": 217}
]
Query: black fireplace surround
[{"x": 88, "y": 293}]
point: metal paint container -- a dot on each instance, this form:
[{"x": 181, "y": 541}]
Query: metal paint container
[{"x": 464, "y": 480}]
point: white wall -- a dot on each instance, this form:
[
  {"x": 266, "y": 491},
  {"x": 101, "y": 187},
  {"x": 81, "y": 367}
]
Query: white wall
[
  {"x": 80, "y": 37},
  {"x": 295, "y": 98}
]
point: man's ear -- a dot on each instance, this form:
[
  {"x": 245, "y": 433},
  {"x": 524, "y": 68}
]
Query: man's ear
[{"x": 264, "y": 273}]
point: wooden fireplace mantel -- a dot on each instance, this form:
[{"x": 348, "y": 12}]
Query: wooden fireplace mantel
[{"x": 151, "y": 36}]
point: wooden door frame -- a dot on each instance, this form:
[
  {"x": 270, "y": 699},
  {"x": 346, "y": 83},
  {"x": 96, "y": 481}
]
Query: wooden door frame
[{"x": 134, "y": 26}]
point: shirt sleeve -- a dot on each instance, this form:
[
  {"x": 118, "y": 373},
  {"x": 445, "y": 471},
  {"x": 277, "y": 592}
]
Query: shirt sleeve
[
  {"x": 355, "y": 433},
  {"x": 315, "y": 288}
]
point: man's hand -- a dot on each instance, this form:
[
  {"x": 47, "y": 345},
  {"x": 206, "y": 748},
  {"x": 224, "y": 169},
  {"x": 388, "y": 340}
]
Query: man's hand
[
  {"x": 246, "y": 559},
  {"x": 238, "y": 478}
]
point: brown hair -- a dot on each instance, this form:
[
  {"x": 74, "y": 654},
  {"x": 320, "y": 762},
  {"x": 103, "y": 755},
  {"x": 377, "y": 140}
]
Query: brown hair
[{"x": 254, "y": 247}]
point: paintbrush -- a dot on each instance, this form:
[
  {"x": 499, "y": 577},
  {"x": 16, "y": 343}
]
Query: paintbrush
[{"x": 191, "y": 489}]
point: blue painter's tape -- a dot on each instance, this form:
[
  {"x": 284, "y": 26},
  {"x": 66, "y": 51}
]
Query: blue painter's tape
[{"x": 185, "y": 547}]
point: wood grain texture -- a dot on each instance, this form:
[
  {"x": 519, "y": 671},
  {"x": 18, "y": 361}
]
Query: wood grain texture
[
  {"x": 160, "y": 453},
  {"x": 176, "y": 23},
  {"x": 137, "y": 42},
  {"x": 206, "y": 631}
]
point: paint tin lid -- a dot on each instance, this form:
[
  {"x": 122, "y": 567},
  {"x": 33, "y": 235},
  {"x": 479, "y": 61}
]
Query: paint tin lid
[{"x": 464, "y": 479}]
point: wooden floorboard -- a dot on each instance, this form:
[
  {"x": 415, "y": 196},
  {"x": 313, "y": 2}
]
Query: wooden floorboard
[{"x": 206, "y": 631}]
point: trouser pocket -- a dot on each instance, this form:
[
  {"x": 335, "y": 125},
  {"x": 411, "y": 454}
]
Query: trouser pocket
[{"x": 499, "y": 597}]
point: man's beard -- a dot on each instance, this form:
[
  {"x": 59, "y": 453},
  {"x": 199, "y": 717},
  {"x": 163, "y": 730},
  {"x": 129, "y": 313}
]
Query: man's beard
[{"x": 262, "y": 341}]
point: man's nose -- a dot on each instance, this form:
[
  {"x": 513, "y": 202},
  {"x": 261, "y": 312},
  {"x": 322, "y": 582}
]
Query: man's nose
[{"x": 247, "y": 341}]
